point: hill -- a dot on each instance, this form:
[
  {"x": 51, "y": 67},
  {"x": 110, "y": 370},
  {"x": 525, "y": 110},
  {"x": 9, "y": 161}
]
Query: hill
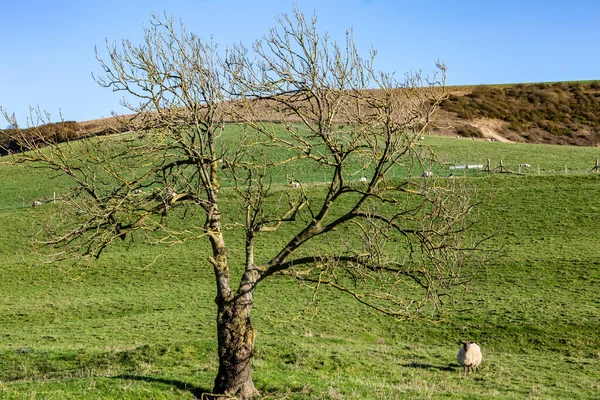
[{"x": 549, "y": 113}]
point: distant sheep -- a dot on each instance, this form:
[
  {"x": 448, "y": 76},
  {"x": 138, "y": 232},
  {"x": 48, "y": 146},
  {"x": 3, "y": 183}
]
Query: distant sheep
[
  {"x": 525, "y": 165},
  {"x": 427, "y": 174},
  {"x": 295, "y": 184},
  {"x": 36, "y": 203},
  {"x": 469, "y": 356},
  {"x": 363, "y": 179},
  {"x": 137, "y": 191}
]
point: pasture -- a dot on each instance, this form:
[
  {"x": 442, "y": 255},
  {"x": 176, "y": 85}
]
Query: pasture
[{"x": 122, "y": 329}]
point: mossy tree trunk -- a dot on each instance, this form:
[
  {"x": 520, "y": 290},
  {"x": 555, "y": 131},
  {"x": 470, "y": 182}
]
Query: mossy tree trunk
[
  {"x": 236, "y": 346},
  {"x": 234, "y": 329}
]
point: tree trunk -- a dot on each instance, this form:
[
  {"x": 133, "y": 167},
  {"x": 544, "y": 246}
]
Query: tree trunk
[{"x": 236, "y": 345}]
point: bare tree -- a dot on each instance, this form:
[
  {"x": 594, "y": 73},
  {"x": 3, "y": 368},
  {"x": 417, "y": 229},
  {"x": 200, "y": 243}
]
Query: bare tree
[{"x": 398, "y": 245}]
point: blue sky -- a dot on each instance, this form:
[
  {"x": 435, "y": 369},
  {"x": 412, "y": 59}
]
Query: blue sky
[{"x": 47, "y": 57}]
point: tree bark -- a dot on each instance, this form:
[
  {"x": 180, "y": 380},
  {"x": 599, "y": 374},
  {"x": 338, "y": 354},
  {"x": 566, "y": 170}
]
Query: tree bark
[{"x": 236, "y": 346}]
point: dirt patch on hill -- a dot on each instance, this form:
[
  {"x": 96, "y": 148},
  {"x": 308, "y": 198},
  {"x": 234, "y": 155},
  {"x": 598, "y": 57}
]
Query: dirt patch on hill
[
  {"x": 491, "y": 129},
  {"x": 449, "y": 124}
]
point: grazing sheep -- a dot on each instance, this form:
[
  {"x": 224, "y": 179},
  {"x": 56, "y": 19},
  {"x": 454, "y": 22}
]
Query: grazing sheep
[
  {"x": 363, "y": 179},
  {"x": 295, "y": 184},
  {"x": 525, "y": 165},
  {"x": 137, "y": 191},
  {"x": 469, "y": 356},
  {"x": 36, "y": 203},
  {"x": 427, "y": 174}
]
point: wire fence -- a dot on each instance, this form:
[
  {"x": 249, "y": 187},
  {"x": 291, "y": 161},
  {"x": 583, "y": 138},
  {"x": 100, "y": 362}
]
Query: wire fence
[
  {"x": 296, "y": 179},
  {"x": 19, "y": 202},
  {"x": 524, "y": 169}
]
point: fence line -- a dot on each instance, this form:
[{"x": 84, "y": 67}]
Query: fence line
[{"x": 448, "y": 170}]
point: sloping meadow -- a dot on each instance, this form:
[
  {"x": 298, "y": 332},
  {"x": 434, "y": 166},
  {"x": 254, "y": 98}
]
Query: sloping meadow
[{"x": 128, "y": 326}]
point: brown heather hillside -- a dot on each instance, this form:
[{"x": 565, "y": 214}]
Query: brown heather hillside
[
  {"x": 12, "y": 141},
  {"x": 557, "y": 113}
]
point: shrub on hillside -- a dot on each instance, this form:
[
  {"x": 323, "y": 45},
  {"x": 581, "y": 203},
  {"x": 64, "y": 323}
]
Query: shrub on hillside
[
  {"x": 469, "y": 131},
  {"x": 568, "y": 110},
  {"x": 12, "y": 140}
]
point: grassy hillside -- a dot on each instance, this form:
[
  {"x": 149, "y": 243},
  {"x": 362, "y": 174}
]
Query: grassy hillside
[
  {"x": 124, "y": 330},
  {"x": 549, "y": 113}
]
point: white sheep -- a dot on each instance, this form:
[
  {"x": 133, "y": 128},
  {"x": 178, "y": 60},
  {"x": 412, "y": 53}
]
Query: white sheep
[
  {"x": 295, "y": 184},
  {"x": 427, "y": 174},
  {"x": 36, "y": 203},
  {"x": 363, "y": 179},
  {"x": 469, "y": 356},
  {"x": 525, "y": 165}
]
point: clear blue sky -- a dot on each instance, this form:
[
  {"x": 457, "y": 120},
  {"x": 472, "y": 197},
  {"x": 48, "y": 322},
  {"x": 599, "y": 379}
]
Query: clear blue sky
[{"x": 47, "y": 58}]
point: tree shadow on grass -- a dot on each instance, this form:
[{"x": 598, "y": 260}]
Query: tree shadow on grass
[
  {"x": 198, "y": 392},
  {"x": 430, "y": 367}
]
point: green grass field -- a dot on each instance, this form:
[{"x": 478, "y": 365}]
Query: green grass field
[{"x": 124, "y": 330}]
